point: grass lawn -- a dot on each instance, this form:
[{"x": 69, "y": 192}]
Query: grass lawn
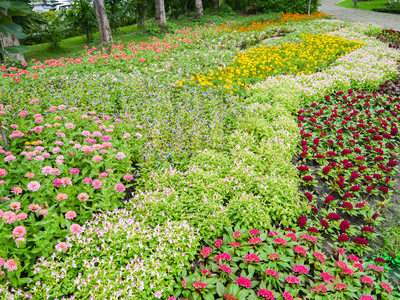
[
  {"x": 73, "y": 46},
  {"x": 370, "y": 5}
]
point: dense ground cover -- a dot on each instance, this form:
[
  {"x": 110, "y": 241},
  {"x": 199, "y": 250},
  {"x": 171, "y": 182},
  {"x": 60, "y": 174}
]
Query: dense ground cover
[{"x": 211, "y": 172}]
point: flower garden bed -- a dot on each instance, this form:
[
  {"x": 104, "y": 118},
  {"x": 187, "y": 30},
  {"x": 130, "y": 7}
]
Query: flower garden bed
[{"x": 203, "y": 165}]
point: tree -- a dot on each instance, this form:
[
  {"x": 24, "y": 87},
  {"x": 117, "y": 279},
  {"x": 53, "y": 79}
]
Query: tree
[
  {"x": 81, "y": 15},
  {"x": 160, "y": 13},
  {"x": 102, "y": 21},
  {"x": 199, "y": 9},
  {"x": 217, "y": 4},
  {"x": 10, "y": 33}
]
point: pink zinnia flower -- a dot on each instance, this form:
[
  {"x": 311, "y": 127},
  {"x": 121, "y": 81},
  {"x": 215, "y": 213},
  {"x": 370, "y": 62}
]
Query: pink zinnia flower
[
  {"x": 97, "y": 184},
  {"x": 19, "y": 231},
  {"x": 11, "y": 265},
  {"x": 16, "y": 190},
  {"x": 97, "y": 158},
  {"x": 83, "y": 197},
  {"x": 120, "y": 155},
  {"x": 120, "y": 188},
  {"x": 103, "y": 175},
  {"x": 44, "y": 212},
  {"x": 61, "y": 197},
  {"x": 128, "y": 177},
  {"x": 22, "y": 216},
  {"x": 15, "y": 205},
  {"x": 3, "y": 172},
  {"x": 75, "y": 228},
  {"x": 34, "y": 207},
  {"x": 88, "y": 180},
  {"x": 70, "y": 215},
  {"x": 74, "y": 171}
]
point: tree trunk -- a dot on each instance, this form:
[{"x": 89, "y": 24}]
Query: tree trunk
[
  {"x": 217, "y": 4},
  {"x": 102, "y": 21},
  {"x": 160, "y": 13},
  {"x": 11, "y": 40},
  {"x": 199, "y": 9}
]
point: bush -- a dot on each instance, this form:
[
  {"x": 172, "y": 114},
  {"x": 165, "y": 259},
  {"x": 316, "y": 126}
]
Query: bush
[{"x": 287, "y": 6}]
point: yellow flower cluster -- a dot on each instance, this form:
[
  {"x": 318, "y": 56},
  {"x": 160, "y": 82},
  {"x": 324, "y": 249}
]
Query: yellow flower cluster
[
  {"x": 314, "y": 53},
  {"x": 37, "y": 143},
  {"x": 259, "y": 25}
]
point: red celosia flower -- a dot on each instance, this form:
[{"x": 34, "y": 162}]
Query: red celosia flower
[
  {"x": 386, "y": 287},
  {"x": 379, "y": 259},
  {"x": 309, "y": 196},
  {"x": 360, "y": 241},
  {"x": 326, "y": 277},
  {"x": 316, "y": 141},
  {"x": 266, "y": 294},
  {"x": 340, "y": 264},
  {"x": 292, "y": 280},
  {"x": 354, "y": 258},
  {"x": 205, "y": 252},
  {"x": 199, "y": 285},
  {"x": 329, "y": 199},
  {"x": 362, "y": 168},
  {"x": 218, "y": 243},
  {"x": 343, "y": 238},
  {"x": 225, "y": 269},
  {"x": 228, "y": 297},
  {"x": 223, "y": 256},
  {"x": 184, "y": 283},
  {"x": 347, "y": 205},
  {"x": 309, "y": 238},
  {"x": 320, "y": 257},
  {"x": 251, "y": 258},
  {"x": 346, "y": 152},
  {"x": 271, "y": 272},
  {"x": 367, "y": 229},
  {"x": 237, "y": 234},
  {"x": 272, "y": 233},
  {"x": 360, "y": 204},
  {"x": 375, "y": 268},
  {"x": 354, "y": 176},
  {"x": 244, "y": 282},
  {"x": 375, "y": 216},
  {"x": 331, "y": 153},
  {"x": 325, "y": 224},
  {"x": 206, "y": 272},
  {"x": 287, "y": 296},
  {"x": 348, "y": 271},
  {"x": 384, "y": 190},
  {"x": 290, "y": 229},
  {"x": 293, "y": 236},
  {"x": 344, "y": 225},
  {"x": 340, "y": 184},
  {"x": 367, "y": 280},
  {"x": 312, "y": 230},
  {"x": 347, "y": 195},
  {"x": 273, "y": 256},
  {"x": 308, "y": 178},
  {"x": 300, "y": 250},
  {"x": 319, "y": 289},
  {"x": 326, "y": 170},
  {"x": 369, "y": 189},
  {"x": 391, "y": 163},
  {"x": 235, "y": 245},
  {"x": 340, "y": 287},
  {"x": 333, "y": 216},
  {"x": 360, "y": 266},
  {"x": 254, "y": 232},
  {"x": 354, "y": 188},
  {"x": 303, "y": 169},
  {"x": 254, "y": 240},
  {"x": 280, "y": 241},
  {"x": 320, "y": 156},
  {"x": 302, "y": 221}
]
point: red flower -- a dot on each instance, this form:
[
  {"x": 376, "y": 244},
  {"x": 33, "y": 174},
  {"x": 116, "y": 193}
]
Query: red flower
[
  {"x": 302, "y": 221},
  {"x": 367, "y": 229},
  {"x": 354, "y": 258},
  {"x": 237, "y": 234},
  {"x": 244, "y": 282},
  {"x": 320, "y": 257},
  {"x": 367, "y": 280},
  {"x": 360, "y": 266},
  {"x": 347, "y": 205},
  {"x": 340, "y": 287},
  {"x": 354, "y": 188},
  {"x": 319, "y": 289},
  {"x": 326, "y": 277},
  {"x": 271, "y": 272},
  {"x": 391, "y": 163},
  {"x": 303, "y": 168},
  {"x": 375, "y": 216},
  {"x": 251, "y": 258},
  {"x": 308, "y": 178},
  {"x": 223, "y": 256},
  {"x": 379, "y": 259},
  {"x": 309, "y": 196},
  {"x": 199, "y": 285},
  {"x": 235, "y": 245},
  {"x": 384, "y": 190},
  {"x": 354, "y": 176},
  {"x": 206, "y": 272},
  {"x": 325, "y": 224},
  {"x": 360, "y": 241},
  {"x": 254, "y": 240},
  {"x": 205, "y": 252},
  {"x": 348, "y": 271},
  {"x": 386, "y": 287},
  {"x": 266, "y": 294},
  {"x": 312, "y": 230},
  {"x": 333, "y": 216},
  {"x": 300, "y": 250},
  {"x": 218, "y": 243},
  {"x": 370, "y": 189},
  {"x": 254, "y": 232},
  {"x": 280, "y": 241},
  {"x": 343, "y": 238},
  {"x": 329, "y": 199},
  {"x": 326, "y": 170},
  {"x": 292, "y": 280},
  {"x": 287, "y": 296},
  {"x": 225, "y": 269},
  {"x": 273, "y": 256},
  {"x": 226, "y": 297},
  {"x": 344, "y": 225}
]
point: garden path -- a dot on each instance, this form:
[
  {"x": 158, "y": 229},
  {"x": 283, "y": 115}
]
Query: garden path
[{"x": 359, "y": 16}]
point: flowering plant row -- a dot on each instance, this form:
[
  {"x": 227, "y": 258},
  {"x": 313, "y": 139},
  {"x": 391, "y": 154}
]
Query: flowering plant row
[
  {"x": 311, "y": 53},
  {"x": 280, "y": 264}
]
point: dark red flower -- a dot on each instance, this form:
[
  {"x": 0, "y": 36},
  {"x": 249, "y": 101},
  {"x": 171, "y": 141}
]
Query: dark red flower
[
  {"x": 325, "y": 224},
  {"x": 391, "y": 163},
  {"x": 354, "y": 176},
  {"x": 362, "y": 168},
  {"x": 328, "y": 199},
  {"x": 320, "y": 156},
  {"x": 378, "y": 158},
  {"x": 343, "y": 238},
  {"x": 367, "y": 229},
  {"x": 360, "y": 241},
  {"x": 347, "y": 205},
  {"x": 326, "y": 170},
  {"x": 308, "y": 178},
  {"x": 302, "y": 222},
  {"x": 384, "y": 190},
  {"x": 309, "y": 196},
  {"x": 354, "y": 188},
  {"x": 344, "y": 225},
  {"x": 380, "y": 260},
  {"x": 375, "y": 216},
  {"x": 370, "y": 189},
  {"x": 303, "y": 168},
  {"x": 333, "y": 216},
  {"x": 316, "y": 141},
  {"x": 340, "y": 184},
  {"x": 369, "y": 178},
  {"x": 313, "y": 208},
  {"x": 347, "y": 195}
]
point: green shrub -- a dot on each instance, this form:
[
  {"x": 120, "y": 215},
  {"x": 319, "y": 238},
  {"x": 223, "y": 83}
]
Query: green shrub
[{"x": 287, "y": 6}]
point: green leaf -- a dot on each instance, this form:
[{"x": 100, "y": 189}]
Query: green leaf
[
  {"x": 252, "y": 269},
  {"x": 16, "y": 49},
  {"x": 220, "y": 289},
  {"x": 17, "y": 8},
  {"x": 12, "y": 28}
]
